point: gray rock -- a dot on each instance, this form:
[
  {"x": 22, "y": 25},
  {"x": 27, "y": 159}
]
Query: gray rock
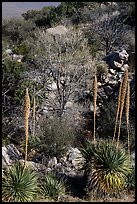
[
  {"x": 52, "y": 87},
  {"x": 10, "y": 154},
  {"x": 75, "y": 157},
  {"x": 116, "y": 59},
  {"x": 69, "y": 105},
  {"x": 17, "y": 57},
  {"x": 9, "y": 51},
  {"x": 35, "y": 166},
  {"x": 52, "y": 162}
]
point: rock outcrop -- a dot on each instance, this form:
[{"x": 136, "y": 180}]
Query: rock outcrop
[{"x": 117, "y": 59}]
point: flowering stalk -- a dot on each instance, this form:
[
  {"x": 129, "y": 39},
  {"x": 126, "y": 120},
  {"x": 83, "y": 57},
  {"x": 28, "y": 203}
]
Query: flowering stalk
[{"x": 26, "y": 120}]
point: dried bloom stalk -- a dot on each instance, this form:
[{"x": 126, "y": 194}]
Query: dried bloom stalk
[
  {"x": 34, "y": 114},
  {"x": 127, "y": 115},
  {"x": 95, "y": 105},
  {"x": 118, "y": 109},
  {"x": 123, "y": 94},
  {"x": 26, "y": 120}
]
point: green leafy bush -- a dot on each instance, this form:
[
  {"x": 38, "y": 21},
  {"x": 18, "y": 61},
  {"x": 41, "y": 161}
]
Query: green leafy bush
[{"x": 19, "y": 184}]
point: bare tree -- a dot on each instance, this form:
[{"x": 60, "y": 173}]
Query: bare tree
[
  {"x": 65, "y": 62},
  {"x": 109, "y": 28}
]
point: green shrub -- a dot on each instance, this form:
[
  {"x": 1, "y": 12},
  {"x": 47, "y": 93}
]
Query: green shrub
[
  {"x": 32, "y": 85},
  {"x": 21, "y": 49},
  {"x": 106, "y": 167},
  {"x": 18, "y": 184},
  {"x": 53, "y": 138},
  {"x": 11, "y": 76}
]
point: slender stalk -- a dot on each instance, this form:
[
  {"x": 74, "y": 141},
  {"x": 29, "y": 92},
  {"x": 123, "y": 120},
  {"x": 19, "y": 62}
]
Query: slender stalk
[
  {"x": 95, "y": 105},
  {"x": 118, "y": 109},
  {"x": 34, "y": 114},
  {"x": 127, "y": 115},
  {"x": 123, "y": 94},
  {"x": 26, "y": 120}
]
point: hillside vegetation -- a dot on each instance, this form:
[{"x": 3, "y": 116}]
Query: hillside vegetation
[{"x": 60, "y": 91}]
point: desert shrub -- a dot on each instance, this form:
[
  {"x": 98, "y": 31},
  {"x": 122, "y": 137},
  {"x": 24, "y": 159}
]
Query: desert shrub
[
  {"x": 53, "y": 138},
  {"x": 19, "y": 184}
]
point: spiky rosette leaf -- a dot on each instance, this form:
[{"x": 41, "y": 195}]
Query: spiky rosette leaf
[
  {"x": 106, "y": 166},
  {"x": 18, "y": 184},
  {"x": 52, "y": 186}
]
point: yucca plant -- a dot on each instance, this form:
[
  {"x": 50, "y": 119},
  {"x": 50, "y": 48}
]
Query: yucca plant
[
  {"x": 19, "y": 184},
  {"x": 106, "y": 167},
  {"x": 52, "y": 186}
]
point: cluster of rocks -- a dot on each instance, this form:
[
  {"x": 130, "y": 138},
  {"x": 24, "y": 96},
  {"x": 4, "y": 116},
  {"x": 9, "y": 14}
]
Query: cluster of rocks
[
  {"x": 67, "y": 165},
  {"x": 108, "y": 85},
  {"x": 117, "y": 60}
]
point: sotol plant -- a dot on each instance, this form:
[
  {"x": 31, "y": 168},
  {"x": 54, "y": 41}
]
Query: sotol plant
[
  {"x": 19, "y": 184},
  {"x": 106, "y": 166},
  {"x": 52, "y": 186}
]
